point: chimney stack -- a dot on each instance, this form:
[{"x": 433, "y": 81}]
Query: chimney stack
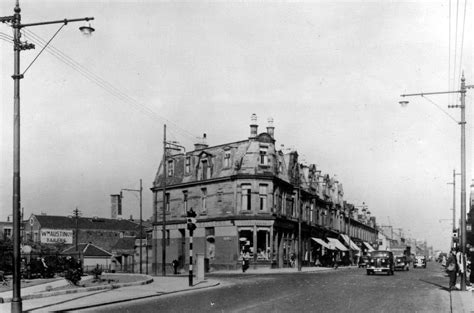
[
  {"x": 116, "y": 206},
  {"x": 271, "y": 128},
  {"x": 203, "y": 144},
  {"x": 253, "y": 126}
]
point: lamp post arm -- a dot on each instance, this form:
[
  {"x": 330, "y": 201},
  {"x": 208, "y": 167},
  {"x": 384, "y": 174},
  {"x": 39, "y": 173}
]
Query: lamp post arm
[
  {"x": 124, "y": 189},
  {"x": 64, "y": 21},
  {"x": 429, "y": 93}
]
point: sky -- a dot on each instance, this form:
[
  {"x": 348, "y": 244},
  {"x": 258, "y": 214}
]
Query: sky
[{"x": 330, "y": 74}]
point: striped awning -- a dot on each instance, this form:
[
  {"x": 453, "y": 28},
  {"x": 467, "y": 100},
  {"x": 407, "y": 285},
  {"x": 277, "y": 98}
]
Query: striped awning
[
  {"x": 369, "y": 247},
  {"x": 322, "y": 243},
  {"x": 336, "y": 244},
  {"x": 350, "y": 243}
]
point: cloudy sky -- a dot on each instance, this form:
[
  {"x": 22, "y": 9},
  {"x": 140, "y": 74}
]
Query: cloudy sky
[{"x": 329, "y": 73}]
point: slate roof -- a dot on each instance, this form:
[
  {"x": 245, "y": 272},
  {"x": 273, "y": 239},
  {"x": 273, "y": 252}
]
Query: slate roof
[
  {"x": 126, "y": 243},
  {"x": 66, "y": 222},
  {"x": 244, "y": 159},
  {"x": 88, "y": 250}
]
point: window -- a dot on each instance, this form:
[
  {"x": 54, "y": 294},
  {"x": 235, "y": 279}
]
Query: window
[
  {"x": 203, "y": 200},
  {"x": 246, "y": 198},
  {"x": 263, "y": 156},
  {"x": 227, "y": 159},
  {"x": 311, "y": 213},
  {"x": 263, "y": 197},
  {"x": 167, "y": 199},
  {"x": 7, "y": 232},
  {"x": 292, "y": 206},
  {"x": 170, "y": 168},
  {"x": 204, "y": 170},
  {"x": 185, "y": 201},
  {"x": 187, "y": 165},
  {"x": 210, "y": 242}
]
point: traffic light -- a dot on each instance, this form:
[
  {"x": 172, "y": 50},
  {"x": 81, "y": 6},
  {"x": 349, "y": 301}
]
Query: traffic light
[{"x": 191, "y": 220}]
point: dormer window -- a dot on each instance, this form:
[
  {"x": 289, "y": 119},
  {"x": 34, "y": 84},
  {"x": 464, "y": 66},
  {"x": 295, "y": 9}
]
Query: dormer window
[
  {"x": 187, "y": 165},
  {"x": 263, "y": 156},
  {"x": 205, "y": 170},
  {"x": 170, "y": 168},
  {"x": 227, "y": 159}
]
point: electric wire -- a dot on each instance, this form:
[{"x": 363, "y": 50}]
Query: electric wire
[
  {"x": 449, "y": 52},
  {"x": 462, "y": 38},
  {"x": 453, "y": 79},
  {"x": 102, "y": 83}
]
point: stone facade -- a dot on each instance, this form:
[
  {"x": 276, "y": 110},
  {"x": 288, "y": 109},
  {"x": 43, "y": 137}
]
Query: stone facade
[{"x": 249, "y": 195}]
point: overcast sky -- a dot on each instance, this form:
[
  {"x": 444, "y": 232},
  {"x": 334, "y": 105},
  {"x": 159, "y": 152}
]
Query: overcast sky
[{"x": 329, "y": 73}]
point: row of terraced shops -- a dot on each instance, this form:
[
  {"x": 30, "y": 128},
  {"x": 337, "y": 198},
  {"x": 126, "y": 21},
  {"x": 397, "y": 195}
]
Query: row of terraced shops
[{"x": 271, "y": 242}]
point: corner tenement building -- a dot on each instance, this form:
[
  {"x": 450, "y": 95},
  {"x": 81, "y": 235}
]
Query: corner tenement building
[{"x": 250, "y": 193}]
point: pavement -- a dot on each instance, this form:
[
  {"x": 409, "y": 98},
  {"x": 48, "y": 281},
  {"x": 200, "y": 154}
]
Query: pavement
[{"x": 40, "y": 298}]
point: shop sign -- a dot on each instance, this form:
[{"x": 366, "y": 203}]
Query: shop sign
[{"x": 56, "y": 236}]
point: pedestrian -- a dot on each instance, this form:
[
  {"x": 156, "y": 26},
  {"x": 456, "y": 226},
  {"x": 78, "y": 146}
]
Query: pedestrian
[
  {"x": 292, "y": 260},
  {"x": 451, "y": 269},
  {"x": 245, "y": 260},
  {"x": 175, "y": 264},
  {"x": 460, "y": 261}
]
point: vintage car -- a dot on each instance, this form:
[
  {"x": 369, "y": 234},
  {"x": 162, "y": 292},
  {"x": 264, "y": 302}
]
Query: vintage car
[
  {"x": 363, "y": 261},
  {"x": 420, "y": 261},
  {"x": 402, "y": 263},
  {"x": 381, "y": 261}
]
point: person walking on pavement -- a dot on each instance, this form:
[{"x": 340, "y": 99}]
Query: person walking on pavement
[
  {"x": 245, "y": 260},
  {"x": 451, "y": 269},
  {"x": 175, "y": 264},
  {"x": 460, "y": 262}
]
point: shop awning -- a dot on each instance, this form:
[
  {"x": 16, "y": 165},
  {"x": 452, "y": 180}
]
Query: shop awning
[
  {"x": 350, "y": 243},
  {"x": 336, "y": 244},
  {"x": 322, "y": 243},
  {"x": 369, "y": 247}
]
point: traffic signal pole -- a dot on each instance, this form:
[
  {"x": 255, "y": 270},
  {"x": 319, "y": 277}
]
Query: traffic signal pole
[
  {"x": 191, "y": 224},
  {"x": 190, "y": 258}
]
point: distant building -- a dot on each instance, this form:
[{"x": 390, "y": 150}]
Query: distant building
[
  {"x": 250, "y": 195},
  {"x": 6, "y": 229},
  {"x": 105, "y": 233},
  {"x": 92, "y": 256},
  {"x": 102, "y": 232}
]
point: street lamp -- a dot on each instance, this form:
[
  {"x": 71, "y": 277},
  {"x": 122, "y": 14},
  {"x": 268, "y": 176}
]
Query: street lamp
[
  {"x": 462, "y": 91},
  {"x": 15, "y": 22},
  {"x": 141, "y": 229}
]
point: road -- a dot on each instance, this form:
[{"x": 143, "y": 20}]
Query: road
[{"x": 342, "y": 290}]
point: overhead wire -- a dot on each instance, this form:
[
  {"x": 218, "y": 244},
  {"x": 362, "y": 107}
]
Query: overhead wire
[
  {"x": 102, "y": 83},
  {"x": 462, "y": 39},
  {"x": 449, "y": 52},
  {"x": 453, "y": 79}
]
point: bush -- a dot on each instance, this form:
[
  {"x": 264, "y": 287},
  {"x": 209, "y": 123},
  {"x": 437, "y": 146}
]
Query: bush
[
  {"x": 73, "y": 275},
  {"x": 96, "y": 272},
  {"x": 73, "y": 271}
]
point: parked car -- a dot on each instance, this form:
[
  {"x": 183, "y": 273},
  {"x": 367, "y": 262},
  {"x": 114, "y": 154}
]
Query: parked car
[
  {"x": 381, "y": 261},
  {"x": 402, "y": 263},
  {"x": 363, "y": 261},
  {"x": 420, "y": 261}
]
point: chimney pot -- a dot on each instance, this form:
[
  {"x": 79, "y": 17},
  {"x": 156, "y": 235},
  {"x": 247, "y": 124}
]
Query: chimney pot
[
  {"x": 253, "y": 126},
  {"x": 271, "y": 128}
]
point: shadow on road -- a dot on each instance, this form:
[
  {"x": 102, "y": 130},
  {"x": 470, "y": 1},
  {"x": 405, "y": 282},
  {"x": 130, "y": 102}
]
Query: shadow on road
[{"x": 435, "y": 284}]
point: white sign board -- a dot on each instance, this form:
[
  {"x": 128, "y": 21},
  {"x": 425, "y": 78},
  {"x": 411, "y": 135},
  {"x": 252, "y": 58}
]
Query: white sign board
[{"x": 56, "y": 236}]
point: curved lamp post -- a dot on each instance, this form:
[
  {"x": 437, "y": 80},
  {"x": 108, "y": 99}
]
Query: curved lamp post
[{"x": 15, "y": 22}]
